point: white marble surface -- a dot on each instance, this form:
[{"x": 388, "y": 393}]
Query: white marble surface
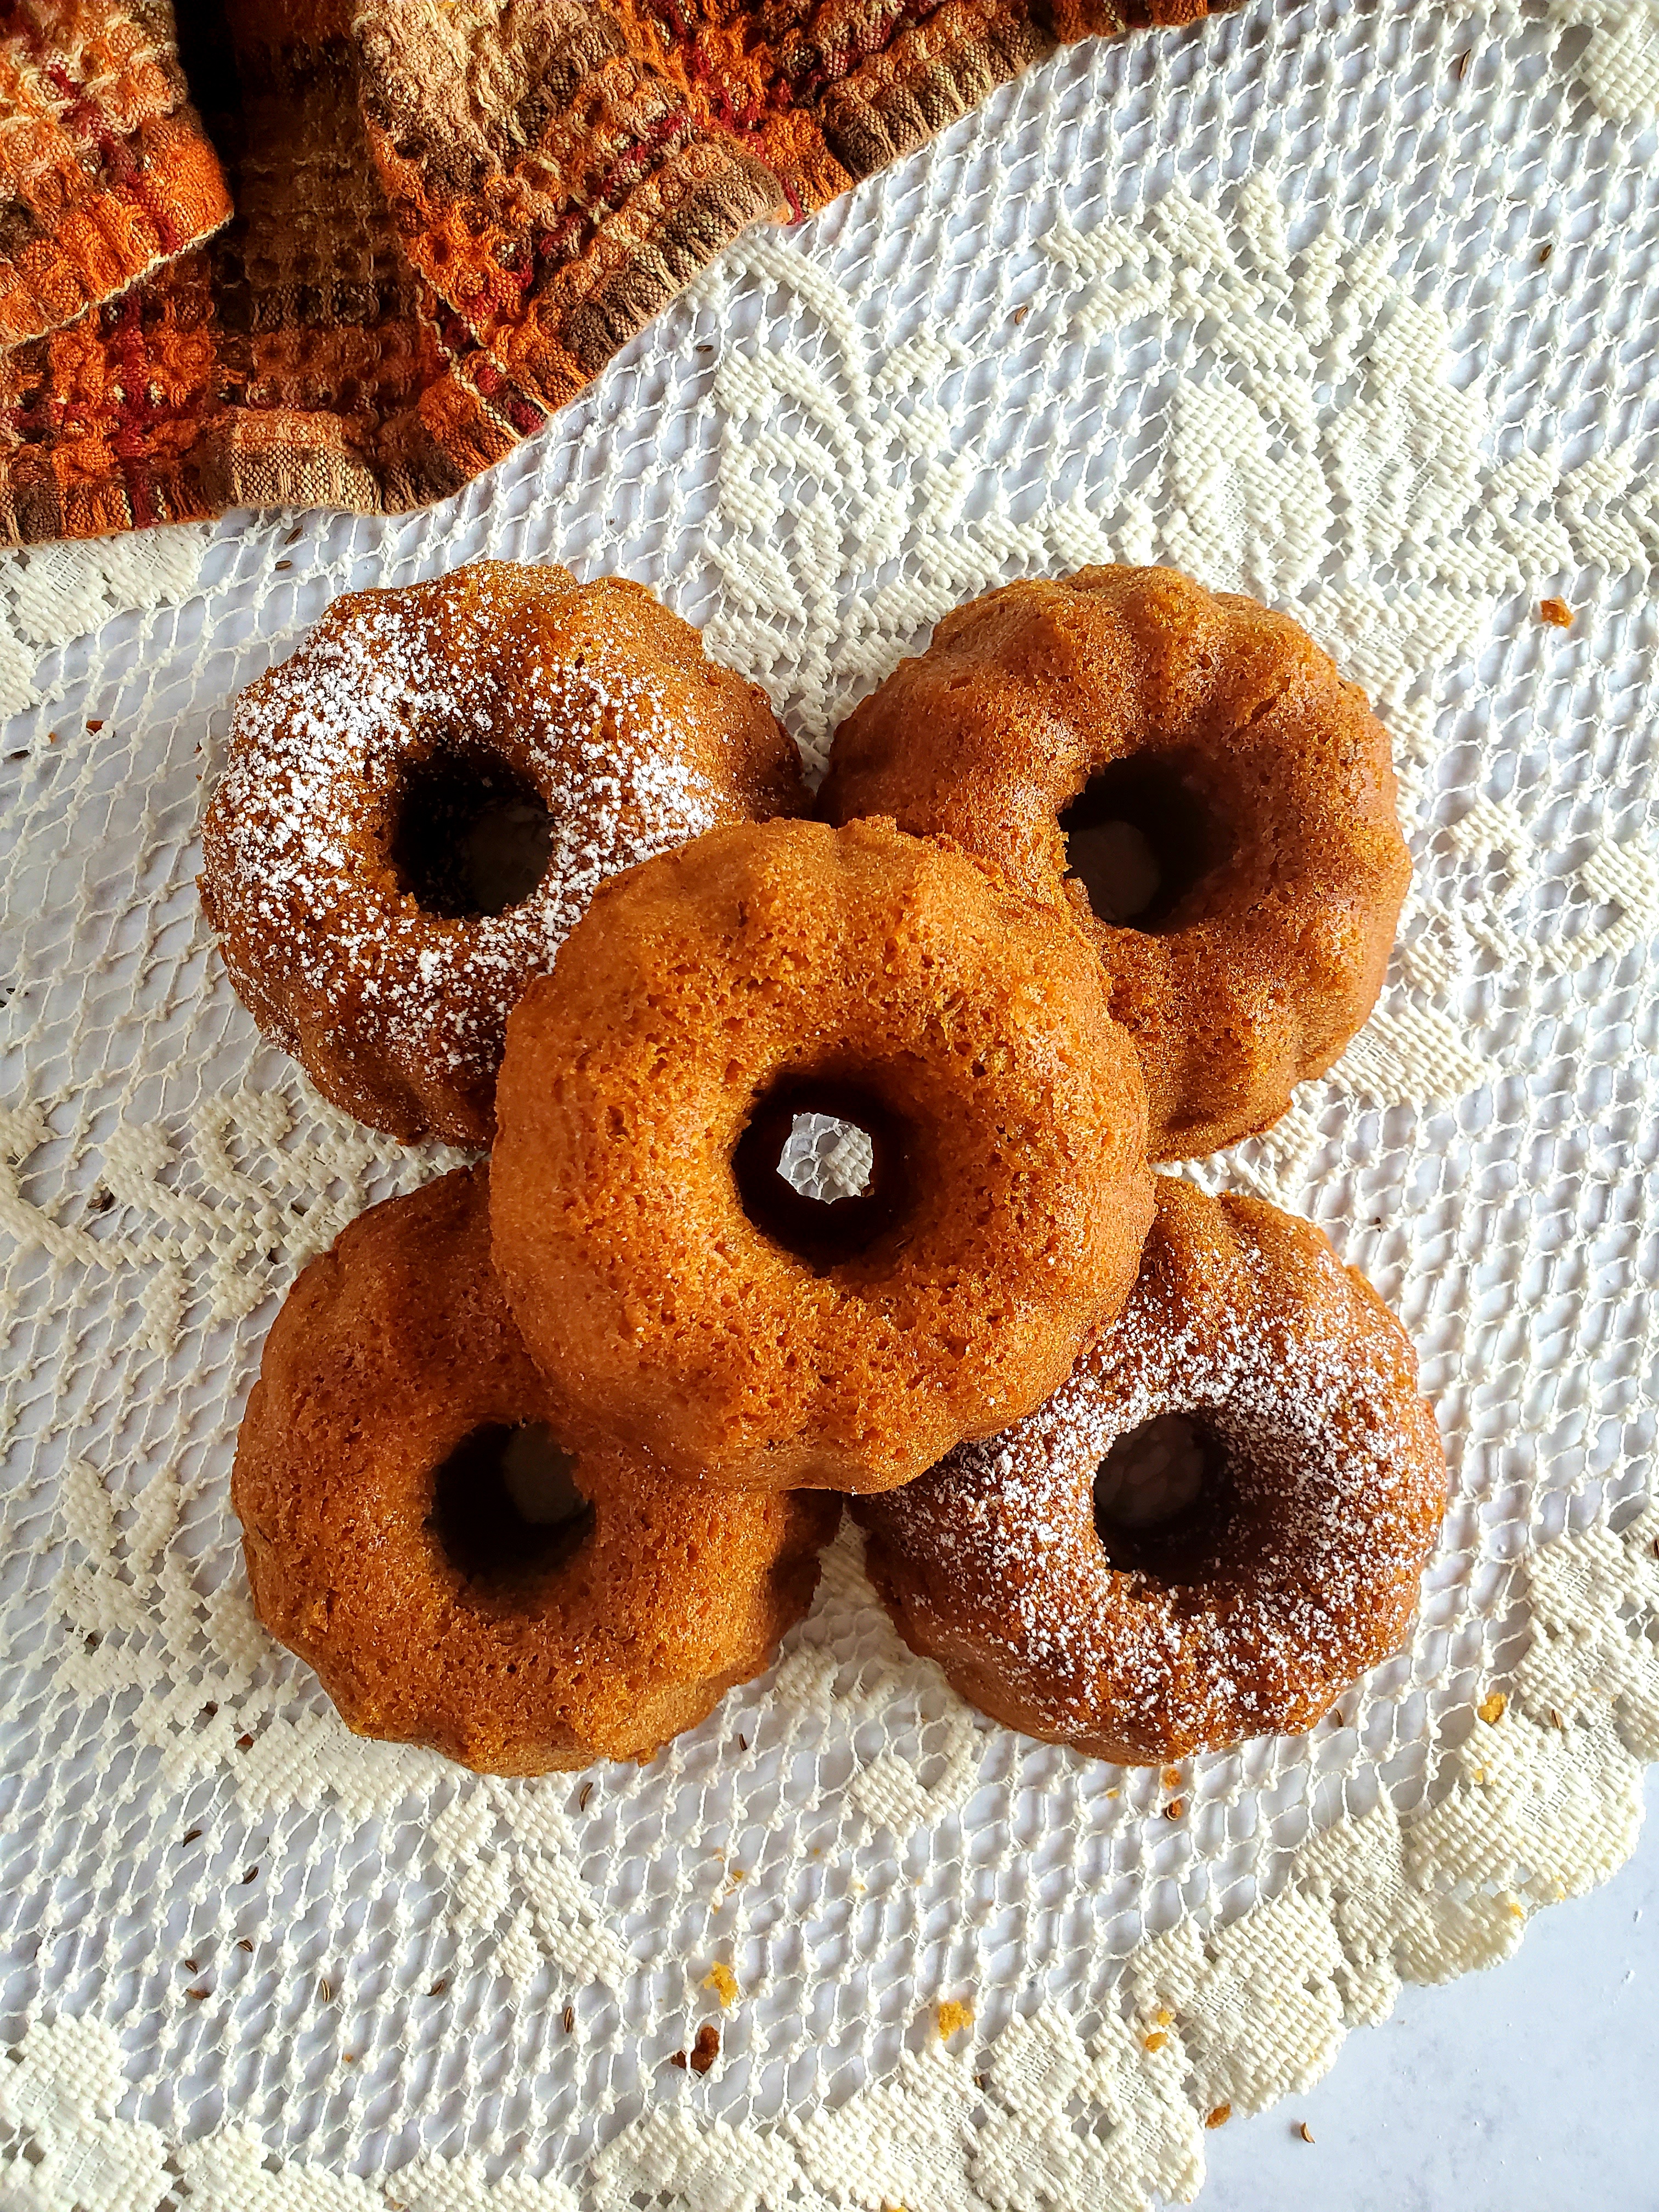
[{"x": 1527, "y": 2089}]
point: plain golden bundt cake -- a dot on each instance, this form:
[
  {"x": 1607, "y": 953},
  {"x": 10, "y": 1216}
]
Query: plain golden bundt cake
[
  {"x": 679, "y": 1293},
  {"x": 1190, "y": 771},
  {"x": 1278, "y": 1556},
  {"x": 415, "y": 1532},
  {"x": 420, "y": 803}
]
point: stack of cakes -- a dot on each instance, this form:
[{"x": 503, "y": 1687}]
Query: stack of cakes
[{"x": 541, "y": 1456}]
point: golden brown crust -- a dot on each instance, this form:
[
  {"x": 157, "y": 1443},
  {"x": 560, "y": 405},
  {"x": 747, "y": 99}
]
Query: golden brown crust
[
  {"x": 1296, "y": 1570},
  {"x": 594, "y": 697},
  {"x": 389, "y": 1351},
  {"x": 1271, "y": 961},
  {"x": 712, "y": 980}
]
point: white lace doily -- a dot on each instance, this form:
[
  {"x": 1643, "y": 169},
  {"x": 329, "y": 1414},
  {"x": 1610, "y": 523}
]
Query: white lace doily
[{"x": 1356, "y": 308}]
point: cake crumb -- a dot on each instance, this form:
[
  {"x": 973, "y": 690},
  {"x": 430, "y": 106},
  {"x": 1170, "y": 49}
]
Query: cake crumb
[
  {"x": 1220, "y": 2116},
  {"x": 953, "y": 2015},
  {"x": 1156, "y": 2041},
  {"x": 1556, "y": 612},
  {"x": 1491, "y": 1710},
  {"x": 703, "y": 2052},
  {"x": 1171, "y": 1776},
  {"x": 721, "y": 1979},
  {"x": 1175, "y": 1808}
]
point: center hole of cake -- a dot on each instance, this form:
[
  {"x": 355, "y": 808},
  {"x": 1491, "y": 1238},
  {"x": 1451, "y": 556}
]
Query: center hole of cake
[
  {"x": 1138, "y": 839},
  {"x": 506, "y": 1504},
  {"x": 470, "y": 835},
  {"x": 1161, "y": 1495},
  {"x": 820, "y": 1169}
]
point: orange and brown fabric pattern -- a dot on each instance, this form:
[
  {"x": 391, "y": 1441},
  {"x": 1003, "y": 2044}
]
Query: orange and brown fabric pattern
[
  {"x": 105, "y": 172},
  {"x": 305, "y": 252}
]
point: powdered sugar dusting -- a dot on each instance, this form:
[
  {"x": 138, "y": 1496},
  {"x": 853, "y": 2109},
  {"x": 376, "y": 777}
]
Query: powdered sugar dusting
[
  {"x": 297, "y": 839},
  {"x": 1309, "y": 1578}
]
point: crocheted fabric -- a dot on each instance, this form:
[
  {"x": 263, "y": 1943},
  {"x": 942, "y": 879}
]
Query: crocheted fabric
[{"x": 449, "y": 215}]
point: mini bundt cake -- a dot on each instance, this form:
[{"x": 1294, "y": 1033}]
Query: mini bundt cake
[
  {"x": 1282, "y": 1551},
  {"x": 679, "y": 1293},
  {"x": 420, "y": 803},
  {"x": 415, "y": 1532},
  {"x": 1191, "y": 773}
]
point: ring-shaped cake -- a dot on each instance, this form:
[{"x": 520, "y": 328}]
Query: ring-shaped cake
[
  {"x": 416, "y": 1531},
  {"x": 1191, "y": 774},
  {"x": 419, "y": 804},
  {"x": 680, "y": 1293},
  {"x": 1312, "y": 1486}
]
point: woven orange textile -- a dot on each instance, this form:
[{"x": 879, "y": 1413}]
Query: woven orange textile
[{"x": 301, "y": 253}]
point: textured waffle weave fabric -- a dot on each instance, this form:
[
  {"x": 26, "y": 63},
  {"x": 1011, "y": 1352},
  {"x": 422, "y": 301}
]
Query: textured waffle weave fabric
[{"x": 446, "y": 217}]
